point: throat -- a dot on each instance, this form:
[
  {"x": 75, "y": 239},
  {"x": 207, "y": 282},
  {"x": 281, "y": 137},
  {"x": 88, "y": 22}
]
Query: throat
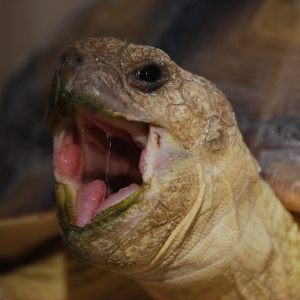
[
  {"x": 264, "y": 263},
  {"x": 243, "y": 242}
]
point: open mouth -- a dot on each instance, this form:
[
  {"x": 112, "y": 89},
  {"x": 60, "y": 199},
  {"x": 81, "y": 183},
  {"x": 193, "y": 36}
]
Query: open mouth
[{"x": 103, "y": 158}]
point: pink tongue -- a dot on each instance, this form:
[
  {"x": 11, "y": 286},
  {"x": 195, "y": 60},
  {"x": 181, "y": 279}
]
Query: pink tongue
[{"x": 90, "y": 200}]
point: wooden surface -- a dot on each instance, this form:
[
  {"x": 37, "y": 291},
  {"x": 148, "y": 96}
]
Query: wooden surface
[{"x": 249, "y": 49}]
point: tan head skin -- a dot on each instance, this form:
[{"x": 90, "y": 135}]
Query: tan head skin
[{"x": 205, "y": 225}]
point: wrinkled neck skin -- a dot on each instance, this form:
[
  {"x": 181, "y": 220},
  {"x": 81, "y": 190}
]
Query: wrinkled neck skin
[{"x": 237, "y": 242}]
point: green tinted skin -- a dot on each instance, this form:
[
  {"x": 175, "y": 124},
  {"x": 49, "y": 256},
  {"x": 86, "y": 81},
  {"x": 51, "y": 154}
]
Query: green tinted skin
[
  {"x": 203, "y": 225},
  {"x": 100, "y": 224}
]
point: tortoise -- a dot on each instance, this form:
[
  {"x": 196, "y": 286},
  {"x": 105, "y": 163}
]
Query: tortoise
[
  {"x": 253, "y": 59},
  {"x": 155, "y": 181}
]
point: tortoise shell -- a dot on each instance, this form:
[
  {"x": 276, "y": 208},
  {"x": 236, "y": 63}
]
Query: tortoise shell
[{"x": 249, "y": 49}]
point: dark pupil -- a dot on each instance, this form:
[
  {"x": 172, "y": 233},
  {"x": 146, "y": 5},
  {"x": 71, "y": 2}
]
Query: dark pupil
[{"x": 149, "y": 74}]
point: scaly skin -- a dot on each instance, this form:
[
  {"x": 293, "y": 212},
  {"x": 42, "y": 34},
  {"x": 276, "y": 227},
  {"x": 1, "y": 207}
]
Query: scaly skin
[{"x": 204, "y": 225}]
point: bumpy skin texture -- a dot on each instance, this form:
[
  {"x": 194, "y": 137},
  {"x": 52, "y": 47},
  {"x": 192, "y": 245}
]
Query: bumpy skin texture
[{"x": 205, "y": 225}]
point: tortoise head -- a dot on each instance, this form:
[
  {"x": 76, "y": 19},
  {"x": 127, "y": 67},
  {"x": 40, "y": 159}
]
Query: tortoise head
[{"x": 142, "y": 150}]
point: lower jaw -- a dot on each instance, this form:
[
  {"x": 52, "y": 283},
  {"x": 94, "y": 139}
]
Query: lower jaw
[
  {"x": 66, "y": 196},
  {"x": 91, "y": 200}
]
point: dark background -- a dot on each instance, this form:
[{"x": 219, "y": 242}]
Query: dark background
[{"x": 26, "y": 26}]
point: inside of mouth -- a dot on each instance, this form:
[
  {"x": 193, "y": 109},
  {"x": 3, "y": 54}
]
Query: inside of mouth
[{"x": 100, "y": 160}]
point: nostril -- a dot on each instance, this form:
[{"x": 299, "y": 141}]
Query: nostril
[{"x": 70, "y": 58}]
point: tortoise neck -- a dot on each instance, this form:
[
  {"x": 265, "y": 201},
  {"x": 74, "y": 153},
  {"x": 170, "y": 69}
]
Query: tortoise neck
[{"x": 237, "y": 244}]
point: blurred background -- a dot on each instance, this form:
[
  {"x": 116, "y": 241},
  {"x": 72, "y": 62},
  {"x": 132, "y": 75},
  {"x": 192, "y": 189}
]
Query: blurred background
[
  {"x": 26, "y": 26},
  {"x": 250, "y": 49}
]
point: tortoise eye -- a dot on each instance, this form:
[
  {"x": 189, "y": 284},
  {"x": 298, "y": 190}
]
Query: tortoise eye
[
  {"x": 149, "y": 74},
  {"x": 149, "y": 77}
]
